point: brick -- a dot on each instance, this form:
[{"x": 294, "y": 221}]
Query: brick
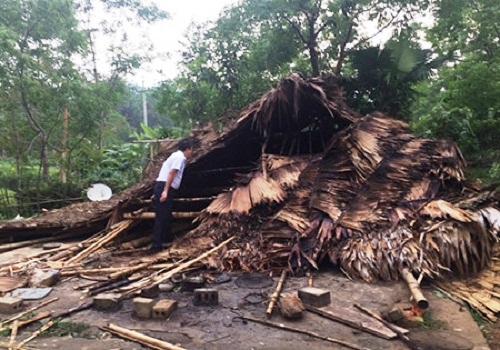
[
  {"x": 143, "y": 307},
  {"x": 315, "y": 296},
  {"x": 9, "y": 305},
  {"x": 164, "y": 308},
  {"x": 151, "y": 292},
  {"x": 206, "y": 296},
  {"x": 107, "y": 301}
]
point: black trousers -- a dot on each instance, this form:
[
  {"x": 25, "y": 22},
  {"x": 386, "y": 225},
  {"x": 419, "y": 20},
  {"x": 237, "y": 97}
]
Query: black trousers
[{"x": 162, "y": 230}]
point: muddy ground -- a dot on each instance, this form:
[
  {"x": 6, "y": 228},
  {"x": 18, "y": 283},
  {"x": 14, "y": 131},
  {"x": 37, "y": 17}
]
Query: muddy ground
[{"x": 447, "y": 325}]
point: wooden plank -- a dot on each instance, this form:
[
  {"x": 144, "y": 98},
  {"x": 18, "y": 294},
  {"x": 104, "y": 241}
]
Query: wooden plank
[{"x": 355, "y": 319}]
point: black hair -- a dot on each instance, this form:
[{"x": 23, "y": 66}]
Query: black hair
[{"x": 185, "y": 144}]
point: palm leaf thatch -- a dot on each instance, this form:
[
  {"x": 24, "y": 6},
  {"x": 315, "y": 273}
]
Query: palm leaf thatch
[{"x": 299, "y": 178}]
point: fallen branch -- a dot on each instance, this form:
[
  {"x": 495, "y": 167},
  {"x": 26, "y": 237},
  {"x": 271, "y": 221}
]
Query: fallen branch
[
  {"x": 276, "y": 294},
  {"x": 302, "y": 331},
  {"x": 140, "y": 338},
  {"x": 416, "y": 293}
]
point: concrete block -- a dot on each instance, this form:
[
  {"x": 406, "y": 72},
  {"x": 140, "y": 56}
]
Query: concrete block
[
  {"x": 164, "y": 308},
  {"x": 151, "y": 292},
  {"x": 9, "y": 305},
  {"x": 143, "y": 307},
  {"x": 206, "y": 297},
  {"x": 107, "y": 301},
  {"x": 315, "y": 296},
  {"x": 189, "y": 284}
]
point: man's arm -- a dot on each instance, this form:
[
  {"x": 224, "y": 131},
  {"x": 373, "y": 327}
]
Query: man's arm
[{"x": 170, "y": 178}]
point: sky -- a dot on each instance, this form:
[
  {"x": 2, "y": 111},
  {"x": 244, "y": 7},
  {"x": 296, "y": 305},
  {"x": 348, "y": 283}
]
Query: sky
[{"x": 167, "y": 34}]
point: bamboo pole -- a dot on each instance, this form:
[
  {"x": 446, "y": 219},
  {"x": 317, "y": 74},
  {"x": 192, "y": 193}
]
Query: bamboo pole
[
  {"x": 37, "y": 333},
  {"x": 159, "y": 278},
  {"x": 119, "y": 228},
  {"x": 128, "y": 271},
  {"x": 35, "y": 318},
  {"x": 416, "y": 293},
  {"x": 302, "y": 331},
  {"x": 152, "y": 215},
  {"x": 141, "y": 338},
  {"x": 276, "y": 294},
  {"x": 13, "y": 333},
  {"x": 18, "y": 316}
]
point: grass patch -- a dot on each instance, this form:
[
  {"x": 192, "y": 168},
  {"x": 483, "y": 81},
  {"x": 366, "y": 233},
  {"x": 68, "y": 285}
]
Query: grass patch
[
  {"x": 63, "y": 328},
  {"x": 430, "y": 322}
]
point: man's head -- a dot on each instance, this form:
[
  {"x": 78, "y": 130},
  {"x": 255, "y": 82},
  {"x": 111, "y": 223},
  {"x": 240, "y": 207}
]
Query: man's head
[{"x": 186, "y": 146}]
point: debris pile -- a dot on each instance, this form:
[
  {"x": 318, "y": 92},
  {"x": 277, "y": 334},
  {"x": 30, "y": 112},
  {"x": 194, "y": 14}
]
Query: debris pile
[{"x": 298, "y": 180}]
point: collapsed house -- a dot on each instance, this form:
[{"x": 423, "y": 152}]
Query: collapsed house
[{"x": 301, "y": 180}]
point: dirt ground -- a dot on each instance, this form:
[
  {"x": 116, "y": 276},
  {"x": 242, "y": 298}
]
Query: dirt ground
[{"x": 447, "y": 325}]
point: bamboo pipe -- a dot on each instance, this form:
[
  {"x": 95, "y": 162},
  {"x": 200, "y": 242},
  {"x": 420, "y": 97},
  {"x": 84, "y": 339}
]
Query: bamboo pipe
[
  {"x": 141, "y": 338},
  {"x": 276, "y": 294},
  {"x": 416, "y": 293}
]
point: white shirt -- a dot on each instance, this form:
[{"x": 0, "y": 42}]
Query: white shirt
[{"x": 177, "y": 160}]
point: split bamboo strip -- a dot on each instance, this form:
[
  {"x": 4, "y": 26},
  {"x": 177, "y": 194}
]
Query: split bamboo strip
[
  {"x": 154, "y": 280},
  {"x": 66, "y": 273},
  {"x": 276, "y": 294},
  {"x": 18, "y": 316},
  {"x": 152, "y": 215},
  {"x": 115, "y": 231},
  {"x": 128, "y": 271},
  {"x": 302, "y": 331},
  {"x": 12, "y": 346},
  {"x": 141, "y": 338},
  {"x": 13, "y": 333},
  {"x": 416, "y": 293},
  {"x": 37, "y": 333},
  {"x": 35, "y": 318}
]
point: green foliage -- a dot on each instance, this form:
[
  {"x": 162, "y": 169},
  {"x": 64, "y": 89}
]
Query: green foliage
[
  {"x": 384, "y": 78},
  {"x": 120, "y": 166},
  {"x": 462, "y": 101}
]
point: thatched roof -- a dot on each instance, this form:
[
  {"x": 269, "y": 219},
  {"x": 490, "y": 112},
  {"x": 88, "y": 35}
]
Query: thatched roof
[{"x": 300, "y": 179}]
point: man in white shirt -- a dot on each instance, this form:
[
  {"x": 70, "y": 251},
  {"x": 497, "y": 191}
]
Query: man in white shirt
[{"x": 165, "y": 190}]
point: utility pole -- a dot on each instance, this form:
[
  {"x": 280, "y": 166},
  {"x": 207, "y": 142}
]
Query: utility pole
[{"x": 144, "y": 105}]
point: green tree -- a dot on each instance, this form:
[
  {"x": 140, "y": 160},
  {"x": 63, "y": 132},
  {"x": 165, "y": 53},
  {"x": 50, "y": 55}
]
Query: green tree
[
  {"x": 463, "y": 100},
  {"x": 256, "y": 43}
]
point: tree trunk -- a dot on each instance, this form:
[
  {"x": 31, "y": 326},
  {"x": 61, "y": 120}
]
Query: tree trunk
[
  {"x": 340, "y": 61},
  {"x": 44, "y": 160},
  {"x": 63, "y": 175}
]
